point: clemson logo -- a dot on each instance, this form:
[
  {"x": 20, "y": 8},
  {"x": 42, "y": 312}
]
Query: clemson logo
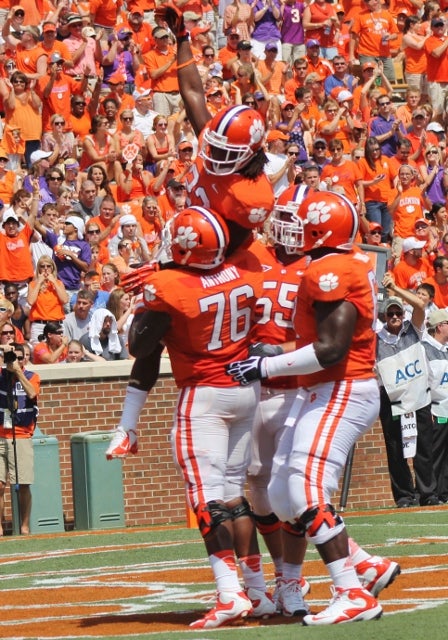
[
  {"x": 125, "y": 209},
  {"x": 328, "y": 282},
  {"x": 186, "y": 237},
  {"x": 257, "y": 216},
  {"x": 256, "y": 132},
  {"x": 318, "y": 212},
  {"x": 149, "y": 292}
]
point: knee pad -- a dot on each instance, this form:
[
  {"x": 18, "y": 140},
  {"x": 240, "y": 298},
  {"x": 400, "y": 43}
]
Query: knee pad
[
  {"x": 242, "y": 509},
  {"x": 267, "y": 524},
  {"x": 294, "y": 528},
  {"x": 210, "y": 515},
  {"x": 321, "y": 523}
]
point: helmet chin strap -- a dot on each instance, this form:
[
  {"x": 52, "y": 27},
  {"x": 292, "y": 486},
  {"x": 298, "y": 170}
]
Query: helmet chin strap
[{"x": 320, "y": 242}]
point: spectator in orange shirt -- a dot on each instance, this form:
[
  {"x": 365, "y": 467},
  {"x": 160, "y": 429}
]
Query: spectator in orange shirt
[
  {"x": 56, "y": 89},
  {"x": 340, "y": 174},
  {"x": 337, "y": 123},
  {"x": 418, "y": 135},
  {"x": 162, "y": 69},
  {"x": 440, "y": 281},
  {"x": 31, "y": 59},
  {"x": 371, "y": 33},
  {"x": 404, "y": 111},
  {"x": 404, "y": 150},
  {"x": 412, "y": 269},
  {"x": 53, "y": 347},
  {"x": 414, "y": 39},
  {"x": 377, "y": 182},
  {"x": 406, "y": 207},
  {"x": 315, "y": 62},
  {"x": 227, "y": 55},
  {"x": 141, "y": 30},
  {"x": 9, "y": 180},
  {"x": 300, "y": 70}
]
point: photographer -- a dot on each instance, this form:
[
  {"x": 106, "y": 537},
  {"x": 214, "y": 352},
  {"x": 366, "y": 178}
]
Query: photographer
[{"x": 19, "y": 389}]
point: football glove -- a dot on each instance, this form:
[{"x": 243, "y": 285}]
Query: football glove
[
  {"x": 265, "y": 350},
  {"x": 246, "y": 371},
  {"x": 134, "y": 281}
]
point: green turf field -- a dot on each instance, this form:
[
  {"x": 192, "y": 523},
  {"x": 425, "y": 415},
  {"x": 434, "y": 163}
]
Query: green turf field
[{"x": 36, "y": 570}]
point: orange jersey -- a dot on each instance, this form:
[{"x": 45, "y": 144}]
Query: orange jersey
[
  {"x": 409, "y": 210},
  {"x": 341, "y": 133},
  {"x": 245, "y": 201},
  {"x": 345, "y": 175},
  {"x": 275, "y": 309},
  {"x": 436, "y": 67},
  {"x": 410, "y": 277},
  {"x": 15, "y": 263},
  {"x": 332, "y": 278},
  {"x": 211, "y": 317},
  {"x": 370, "y": 28},
  {"x": 441, "y": 295},
  {"x": 47, "y": 305},
  {"x": 382, "y": 191},
  {"x": 155, "y": 59}
]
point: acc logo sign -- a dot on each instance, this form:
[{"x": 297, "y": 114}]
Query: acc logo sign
[{"x": 409, "y": 371}]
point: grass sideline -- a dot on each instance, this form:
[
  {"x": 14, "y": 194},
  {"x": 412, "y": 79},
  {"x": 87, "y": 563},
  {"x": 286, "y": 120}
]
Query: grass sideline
[{"x": 31, "y": 563}]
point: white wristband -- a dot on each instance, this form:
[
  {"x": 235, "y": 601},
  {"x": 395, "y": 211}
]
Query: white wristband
[{"x": 298, "y": 362}]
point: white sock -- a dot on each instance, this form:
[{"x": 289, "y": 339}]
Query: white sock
[
  {"x": 224, "y": 569},
  {"x": 132, "y": 407},
  {"x": 252, "y": 570},
  {"x": 291, "y": 571},
  {"x": 343, "y": 574}
]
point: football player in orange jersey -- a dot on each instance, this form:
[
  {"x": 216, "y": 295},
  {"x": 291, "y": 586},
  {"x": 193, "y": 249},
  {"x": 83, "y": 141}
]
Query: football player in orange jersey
[
  {"x": 206, "y": 307},
  {"x": 228, "y": 177},
  {"x": 337, "y": 402},
  {"x": 283, "y": 265}
]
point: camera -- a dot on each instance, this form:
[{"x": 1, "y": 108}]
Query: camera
[{"x": 9, "y": 357}]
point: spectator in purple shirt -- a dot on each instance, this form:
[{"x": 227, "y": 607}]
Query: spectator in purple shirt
[{"x": 386, "y": 128}]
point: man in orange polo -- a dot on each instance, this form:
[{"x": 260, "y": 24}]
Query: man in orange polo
[
  {"x": 162, "y": 68},
  {"x": 436, "y": 47}
]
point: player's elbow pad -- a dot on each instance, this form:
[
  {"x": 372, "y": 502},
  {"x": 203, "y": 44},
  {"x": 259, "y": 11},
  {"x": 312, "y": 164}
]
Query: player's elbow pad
[{"x": 300, "y": 362}]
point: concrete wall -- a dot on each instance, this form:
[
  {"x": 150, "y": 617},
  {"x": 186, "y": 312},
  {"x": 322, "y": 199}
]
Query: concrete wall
[{"x": 86, "y": 397}]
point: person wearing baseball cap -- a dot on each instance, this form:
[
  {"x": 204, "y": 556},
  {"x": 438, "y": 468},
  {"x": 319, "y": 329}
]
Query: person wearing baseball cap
[
  {"x": 141, "y": 29},
  {"x": 85, "y": 64},
  {"x": 435, "y": 343},
  {"x": 405, "y": 399},
  {"x": 373, "y": 235},
  {"x": 317, "y": 64},
  {"x": 412, "y": 269},
  {"x": 266, "y": 27},
  {"x": 280, "y": 168},
  {"x": 320, "y": 23}
]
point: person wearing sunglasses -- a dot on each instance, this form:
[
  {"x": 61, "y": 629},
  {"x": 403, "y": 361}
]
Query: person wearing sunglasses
[
  {"x": 58, "y": 140},
  {"x": 22, "y": 108},
  {"x": 405, "y": 400},
  {"x": 46, "y": 297},
  {"x": 386, "y": 127},
  {"x": 16, "y": 264},
  {"x": 52, "y": 345},
  {"x": 57, "y": 88},
  {"x": 19, "y": 389},
  {"x": 73, "y": 256}
]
